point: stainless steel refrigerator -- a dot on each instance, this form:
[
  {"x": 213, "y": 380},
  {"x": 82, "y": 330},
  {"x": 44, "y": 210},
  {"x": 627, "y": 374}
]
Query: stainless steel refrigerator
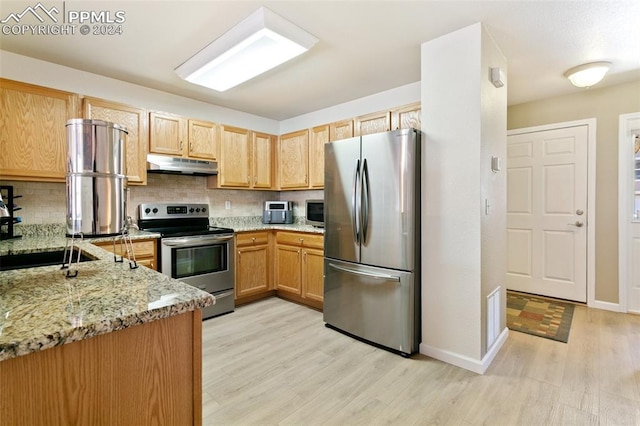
[{"x": 372, "y": 238}]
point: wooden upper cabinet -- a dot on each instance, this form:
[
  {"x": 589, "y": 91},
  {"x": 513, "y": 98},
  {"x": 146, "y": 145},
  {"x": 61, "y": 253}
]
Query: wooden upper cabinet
[
  {"x": 372, "y": 123},
  {"x": 137, "y": 124},
  {"x": 340, "y": 130},
  {"x": 167, "y": 134},
  {"x": 318, "y": 137},
  {"x": 33, "y": 135},
  {"x": 203, "y": 138},
  {"x": 407, "y": 116},
  {"x": 172, "y": 134},
  {"x": 262, "y": 160},
  {"x": 245, "y": 160},
  {"x": 235, "y": 157},
  {"x": 293, "y": 160}
]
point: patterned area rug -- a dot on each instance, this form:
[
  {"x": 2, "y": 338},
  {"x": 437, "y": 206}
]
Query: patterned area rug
[{"x": 538, "y": 316}]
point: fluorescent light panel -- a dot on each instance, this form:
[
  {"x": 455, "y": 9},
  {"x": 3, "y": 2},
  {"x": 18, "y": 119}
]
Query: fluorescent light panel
[{"x": 259, "y": 43}]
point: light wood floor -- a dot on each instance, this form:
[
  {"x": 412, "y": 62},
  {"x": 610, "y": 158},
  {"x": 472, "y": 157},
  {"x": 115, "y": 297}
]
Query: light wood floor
[{"x": 274, "y": 362}]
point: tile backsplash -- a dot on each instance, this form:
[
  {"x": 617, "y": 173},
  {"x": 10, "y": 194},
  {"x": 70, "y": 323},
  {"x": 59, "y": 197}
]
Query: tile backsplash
[{"x": 45, "y": 203}]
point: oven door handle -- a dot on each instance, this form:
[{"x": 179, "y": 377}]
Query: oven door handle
[{"x": 195, "y": 240}]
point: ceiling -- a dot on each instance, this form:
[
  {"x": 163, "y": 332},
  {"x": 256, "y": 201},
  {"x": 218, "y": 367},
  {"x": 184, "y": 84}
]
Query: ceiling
[{"x": 364, "y": 48}]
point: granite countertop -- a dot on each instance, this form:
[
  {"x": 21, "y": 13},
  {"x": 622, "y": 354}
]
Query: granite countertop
[
  {"x": 41, "y": 308},
  {"x": 254, "y": 223}
]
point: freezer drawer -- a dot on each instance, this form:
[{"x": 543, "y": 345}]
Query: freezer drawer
[{"x": 375, "y": 304}]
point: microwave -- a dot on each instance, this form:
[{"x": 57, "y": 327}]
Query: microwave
[{"x": 315, "y": 213}]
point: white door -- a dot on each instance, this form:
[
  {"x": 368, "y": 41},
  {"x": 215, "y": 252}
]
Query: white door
[
  {"x": 547, "y": 215},
  {"x": 629, "y": 208}
]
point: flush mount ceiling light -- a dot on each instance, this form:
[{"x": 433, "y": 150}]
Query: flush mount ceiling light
[
  {"x": 587, "y": 75},
  {"x": 260, "y": 42}
]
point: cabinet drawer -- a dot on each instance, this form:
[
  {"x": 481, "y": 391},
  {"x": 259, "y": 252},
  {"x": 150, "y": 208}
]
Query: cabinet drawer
[
  {"x": 251, "y": 238},
  {"x": 142, "y": 249},
  {"x": 300, "y": 239}
]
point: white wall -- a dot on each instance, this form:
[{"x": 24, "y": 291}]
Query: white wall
[
  {"x": 454, "y": 188},
  {"x": 386, "y": 100},
  {"x": 34, "y": 71},
  {"x": 493, "y": 187}
]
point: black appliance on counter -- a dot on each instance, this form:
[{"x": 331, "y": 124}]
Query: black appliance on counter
[{"x": 192, "y": 251}]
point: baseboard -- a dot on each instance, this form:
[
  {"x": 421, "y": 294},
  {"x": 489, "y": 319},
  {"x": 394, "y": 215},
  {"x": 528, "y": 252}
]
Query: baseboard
[
  {"x": 462, "y": 361},
  {"x": 607, "y": 306},
  {"x": 494, "y": 349}
]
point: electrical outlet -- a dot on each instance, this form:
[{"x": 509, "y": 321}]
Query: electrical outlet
[{"x": 227, "y": 205}]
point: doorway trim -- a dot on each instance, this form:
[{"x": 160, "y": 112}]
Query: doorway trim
[
  {"x": 626, "y": 125},
  {"x": 591, "y": 200}
]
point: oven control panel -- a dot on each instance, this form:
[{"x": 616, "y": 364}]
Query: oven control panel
[{"x": 172, "y": 211}]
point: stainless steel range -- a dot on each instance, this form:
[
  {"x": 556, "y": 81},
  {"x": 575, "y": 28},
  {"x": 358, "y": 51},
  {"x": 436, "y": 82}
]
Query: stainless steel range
[{"x": 192, "y": 251}]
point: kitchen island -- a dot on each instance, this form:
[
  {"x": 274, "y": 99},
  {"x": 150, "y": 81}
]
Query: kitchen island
[{"x": 113, "y": 345}]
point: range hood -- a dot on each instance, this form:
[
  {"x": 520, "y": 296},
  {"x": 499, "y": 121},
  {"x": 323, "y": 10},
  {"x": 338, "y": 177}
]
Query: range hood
[{"x": 177, "y": 165}]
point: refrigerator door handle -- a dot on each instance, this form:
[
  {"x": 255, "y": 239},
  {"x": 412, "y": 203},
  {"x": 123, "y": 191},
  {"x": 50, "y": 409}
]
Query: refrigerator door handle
[
  {"x": 364, "y": 194},
  {"x": 355, "y": 205},
  {"x": 366, "y": 274}
]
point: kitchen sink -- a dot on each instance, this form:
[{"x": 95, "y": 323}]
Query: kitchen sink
[{"x": 44, "y": 258}]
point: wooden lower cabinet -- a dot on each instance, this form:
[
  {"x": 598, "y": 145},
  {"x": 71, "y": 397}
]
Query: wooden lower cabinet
[
  {"x": 253, "y": 266},
  {"x": 313, "y": 274},
  {"x": 288, "y": 269},
  {"x": 299, "y": 267},
  {"x": 145, "y": 251},
  {"x": 142, "y": 375}
]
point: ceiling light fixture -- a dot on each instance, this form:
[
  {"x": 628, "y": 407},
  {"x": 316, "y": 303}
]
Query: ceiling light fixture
[
  {"x": 259, "y": 43},
  {"x": 587, "y": 75}
]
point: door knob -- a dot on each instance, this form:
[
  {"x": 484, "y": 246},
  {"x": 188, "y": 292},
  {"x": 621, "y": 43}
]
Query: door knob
[
  {"x": 577, "y": 224},
  {"x": 579, "y": 212}
]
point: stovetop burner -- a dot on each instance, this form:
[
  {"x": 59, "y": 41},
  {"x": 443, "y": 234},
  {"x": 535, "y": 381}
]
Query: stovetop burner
[{"x": 177, "y": 220}]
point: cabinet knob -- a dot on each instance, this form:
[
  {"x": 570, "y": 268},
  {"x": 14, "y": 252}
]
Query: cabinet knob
[
  {"x": 181, "y": 145},
  {"x": 253, "y": 239},
  {"x": 191, "y": 146}
]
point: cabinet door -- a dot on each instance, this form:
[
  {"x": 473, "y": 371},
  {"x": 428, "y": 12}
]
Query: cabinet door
[
  {"x": 372, "y": 123},
  {"x": 235, "y": 157},
  {"x": 252, "y": 272},
  {"x": 262, "y": 160},
  {"x": 340, "y": 130},
  {"x": 294, "y": 160},
  {"x": 137, "y": 123},
  {"x": 319, "y": 136},
  {"x": 288, "y": 268},
  {"x": 167, "y": 133},
  {"x": 203, "y": 138},
  {"x": 406, "y": 117},
  {"x": 144, "y": 250},
  {"x": 312, "y": 274},
  {"x": 33, "y": 136}
]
